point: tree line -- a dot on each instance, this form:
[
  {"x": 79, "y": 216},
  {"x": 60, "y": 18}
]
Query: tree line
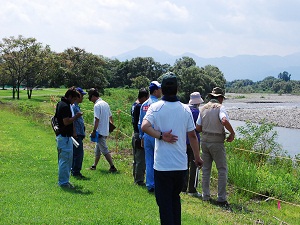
[
  {"x": 281, "y": 85},
  {"x": 28, "y": 63},
  {"x": 25, "y": 62}
]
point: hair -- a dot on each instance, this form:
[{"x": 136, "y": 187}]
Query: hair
[
  {"x": 72, "y": 92},
  {"x": 143, "y": 92},
  {"x": 93, "y": 91}
]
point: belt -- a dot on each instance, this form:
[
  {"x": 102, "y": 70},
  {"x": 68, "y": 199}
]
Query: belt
[{"x": 213, "y": 134}]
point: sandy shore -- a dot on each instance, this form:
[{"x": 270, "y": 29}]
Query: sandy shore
[{"x": 285, "y": 116}]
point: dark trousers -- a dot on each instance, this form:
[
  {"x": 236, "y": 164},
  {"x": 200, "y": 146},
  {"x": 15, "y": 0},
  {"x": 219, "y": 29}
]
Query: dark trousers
[
  {"x": 189, "y": 182},
  {"x": 168, "y": 185},
  {"x": 138, "y": 164},
  {"x": 77, "y": 156}
]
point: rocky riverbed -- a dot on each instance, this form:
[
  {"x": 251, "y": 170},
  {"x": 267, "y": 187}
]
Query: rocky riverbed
[{"x": 282, "y": 110}]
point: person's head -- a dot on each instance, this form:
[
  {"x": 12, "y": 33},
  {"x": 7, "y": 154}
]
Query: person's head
[
  {"x": 72, "y": 95},
  {"x": 217, "y": 93},
  {"x": 155, "y": 89},
  {"x": 82, "y": 93},
  {"x": 143, "y": 95},
  {"x": 93, "y": 95},
  {"x": 169, "y": 84},
  {"x": 195, "y": 99}
]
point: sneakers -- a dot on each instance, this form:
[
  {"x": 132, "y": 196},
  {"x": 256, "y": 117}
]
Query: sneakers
[
  {"x": 67, "y": 185},
  {"x": 112, "y": 169},
  {"x": 224, "y": 204},
  {"x": 140, "y": 183},
  {"x": 92, "y": 168},
  {"x": 79, "y": 176},
  {"x": 195, "y": 194},
  {"x": 151, "y": 190}
]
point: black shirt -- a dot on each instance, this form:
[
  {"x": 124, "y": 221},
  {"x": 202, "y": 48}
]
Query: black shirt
[
  {"x": 63, "y": 110},
  {"x": 135, "y": 114}
]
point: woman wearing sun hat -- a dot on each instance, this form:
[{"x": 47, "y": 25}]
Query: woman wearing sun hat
[{"x": 189, "y": 182}]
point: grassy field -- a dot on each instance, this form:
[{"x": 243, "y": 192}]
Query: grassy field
[{"x": 29, "y": 193}]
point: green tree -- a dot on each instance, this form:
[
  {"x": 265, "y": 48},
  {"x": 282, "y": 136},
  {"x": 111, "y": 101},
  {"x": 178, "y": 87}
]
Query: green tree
[
  {"x": 19, "y": 56},
  {"x": 83, "y": 69},
  {"x": 140, "y": 82},
  {"x": 284, "y": 76}
]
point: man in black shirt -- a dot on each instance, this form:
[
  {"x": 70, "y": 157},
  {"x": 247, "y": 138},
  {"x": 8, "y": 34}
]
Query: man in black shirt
[
  {"x": 138, "y": 151},
  {"x": 66, "y": 117}
]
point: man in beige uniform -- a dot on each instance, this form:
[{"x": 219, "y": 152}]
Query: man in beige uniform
[{"x": 211, "y": 122}]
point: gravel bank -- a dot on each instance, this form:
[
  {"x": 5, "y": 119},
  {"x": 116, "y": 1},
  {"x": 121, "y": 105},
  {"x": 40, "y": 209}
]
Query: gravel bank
[{"x": 284, "y": 116}]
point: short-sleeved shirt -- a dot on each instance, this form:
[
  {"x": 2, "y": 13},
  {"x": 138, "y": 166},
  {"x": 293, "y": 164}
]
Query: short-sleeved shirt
[
  {"x": 222, "y": 114},
  {"x": 63, "y": 110},
  {"x": 79, "y": 122},
  {"x": 166, "y": 116},
  {"x": 102, "y": 112},
  {"x": 143, "y": 111}
]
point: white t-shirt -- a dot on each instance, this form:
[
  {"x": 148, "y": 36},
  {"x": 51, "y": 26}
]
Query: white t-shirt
[
  {"x": 166, "y": 116},
  {"x": 102, "y": 112}
]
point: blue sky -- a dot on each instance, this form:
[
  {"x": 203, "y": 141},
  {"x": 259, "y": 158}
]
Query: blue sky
[{"x": 207, "y": 28}]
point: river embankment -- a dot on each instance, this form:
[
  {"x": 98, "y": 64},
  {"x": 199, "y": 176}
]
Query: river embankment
[{"x": 281, "y": 110}]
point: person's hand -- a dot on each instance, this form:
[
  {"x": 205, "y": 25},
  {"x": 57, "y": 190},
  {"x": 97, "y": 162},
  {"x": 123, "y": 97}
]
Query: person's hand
[
  {"x": 78, "y": 114},
  {"x": 230, "y": 137},
  {"x": 169, "y": 137},
  {"x": 93, "y": 134},
  {"x": 199, "y": 162}
]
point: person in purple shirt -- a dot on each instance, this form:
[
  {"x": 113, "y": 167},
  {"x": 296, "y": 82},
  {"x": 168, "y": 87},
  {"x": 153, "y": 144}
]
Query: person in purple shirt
[{"x": 189, "y": 182}]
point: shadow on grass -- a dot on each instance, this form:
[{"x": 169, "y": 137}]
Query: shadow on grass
[
  {"x": 103, "y": 171},
  {"x": 77, "y": 190},
  {"x": 231, "y": 207}
]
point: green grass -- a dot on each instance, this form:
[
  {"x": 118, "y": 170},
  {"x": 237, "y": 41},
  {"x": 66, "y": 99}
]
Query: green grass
[{"x": 29, "y": 193}]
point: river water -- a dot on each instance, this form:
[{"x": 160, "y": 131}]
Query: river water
[{"x": 287, "y": 137}]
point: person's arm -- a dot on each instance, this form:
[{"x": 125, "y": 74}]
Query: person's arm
[
  {"x": 198, "y": 128},
  {"x": 228, "y": 127},
  {"x": 195, "y": 147},
  {"x": 96, "y": 123},
  {"x": 165, "y": 136},
  {"x": 69, "y": 120},
  {"x": 225, "y": 122},
  {"x": 111, "y": 119}
]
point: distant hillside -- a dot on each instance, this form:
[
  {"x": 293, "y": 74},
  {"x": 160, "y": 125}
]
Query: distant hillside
[{"x": 239, "y": 67}]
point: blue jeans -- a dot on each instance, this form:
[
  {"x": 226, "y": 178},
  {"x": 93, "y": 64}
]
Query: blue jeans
[
  {"x": 168, "y": 185},
  {"x": 149, "y": 158},
  {"x": 65, "y": 158},
  {"x": 77, "y": 156}
]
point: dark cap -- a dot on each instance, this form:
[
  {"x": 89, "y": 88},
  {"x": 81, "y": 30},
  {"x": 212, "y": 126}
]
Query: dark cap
[
  {"x": 217, "y": 92},
  {"x": 169, "y": 80},
  {"x": 82, "y": 92}
]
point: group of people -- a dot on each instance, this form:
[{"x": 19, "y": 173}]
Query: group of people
[
  {"x": 166, "y": 142},
  {"x": 72, "y": 129},
  {"x": 166, "y": 145}
]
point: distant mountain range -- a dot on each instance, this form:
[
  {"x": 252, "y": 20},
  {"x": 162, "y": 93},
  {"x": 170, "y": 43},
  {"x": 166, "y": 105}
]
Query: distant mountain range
[{"x": 251, "y": 67}]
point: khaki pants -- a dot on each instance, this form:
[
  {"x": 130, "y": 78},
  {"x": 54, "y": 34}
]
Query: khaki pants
[{"x": 214, "y": 152}]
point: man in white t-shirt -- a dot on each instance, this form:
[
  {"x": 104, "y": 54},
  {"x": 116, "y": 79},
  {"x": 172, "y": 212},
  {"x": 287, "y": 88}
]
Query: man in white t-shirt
[
  {"x": 102, "y": 117},
  {"x": 168, "y": 121}
]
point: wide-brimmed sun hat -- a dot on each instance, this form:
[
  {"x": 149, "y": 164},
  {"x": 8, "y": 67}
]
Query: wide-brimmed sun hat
[{"x": 195, "y": 98}]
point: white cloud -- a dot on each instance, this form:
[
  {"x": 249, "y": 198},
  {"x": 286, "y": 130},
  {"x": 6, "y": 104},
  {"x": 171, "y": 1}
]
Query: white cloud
[{"x": 207, "y": 28}]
